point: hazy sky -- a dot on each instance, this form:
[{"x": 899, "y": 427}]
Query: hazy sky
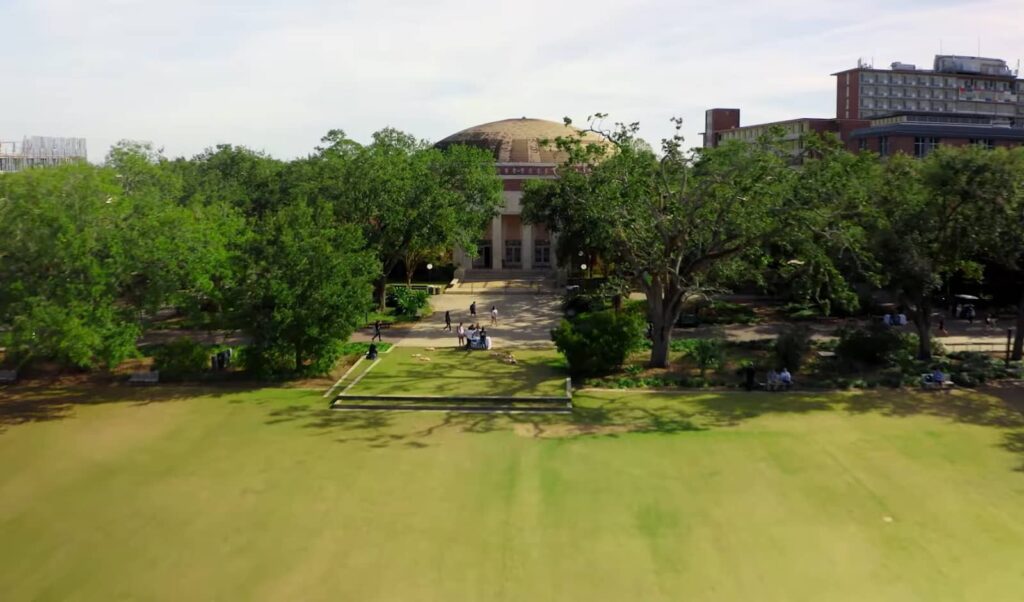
[{"x": 275, "y": 75}]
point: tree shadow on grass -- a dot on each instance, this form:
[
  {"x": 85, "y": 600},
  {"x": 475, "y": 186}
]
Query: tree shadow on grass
[{"x": 44, "y": 402}]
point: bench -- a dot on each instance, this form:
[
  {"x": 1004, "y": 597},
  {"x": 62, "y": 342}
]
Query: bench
[
  {"x": 8, "y": 377},
  {"x": 928, "y": 383},
  {"x": 775, "y": 387},
  {"x": 144, "y": 378}
]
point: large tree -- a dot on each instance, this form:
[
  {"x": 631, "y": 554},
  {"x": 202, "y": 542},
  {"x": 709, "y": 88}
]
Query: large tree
[
  {"x": 939, "y": 213},
  {"x": 825, "y": 247},
  {"x": 85, "y": 251},
  {"x": 412, "y": 201},
  {"x": 676, "y": 224},
  {"x": 1006, "y": 216},
  {"x": 304, "y": 288}
]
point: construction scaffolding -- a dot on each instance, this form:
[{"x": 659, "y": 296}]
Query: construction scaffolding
[{"x": 40, "y": 151}]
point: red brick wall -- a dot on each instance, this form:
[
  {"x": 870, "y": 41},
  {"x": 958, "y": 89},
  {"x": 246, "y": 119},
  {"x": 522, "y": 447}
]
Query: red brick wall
[{"x": 853, "y": 79}]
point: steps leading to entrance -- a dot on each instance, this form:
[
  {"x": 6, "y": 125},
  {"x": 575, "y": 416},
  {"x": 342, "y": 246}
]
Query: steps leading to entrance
[
  {"x": 505, "y": 282},
  {"x": 481, "y": 275}
]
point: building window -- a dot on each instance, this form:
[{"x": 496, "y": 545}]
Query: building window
[
  {"x": 862, "y": 144},
  {"x": 513, "y": 254},
  {"x": 541, "y": 253},
  {"x": 987, "y": 143},
  {"x": 883, "y": 146},
  {"x": 923, "y": 146}
]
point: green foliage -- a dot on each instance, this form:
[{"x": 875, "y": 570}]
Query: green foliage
[
  {"x": 304, "y": 291},
  {"x": 649, "y": 214},
  {"x": 792, "y": 346},
  {"x": 406, "y": 301},
  {"x": 598, "y": 342},
  {"x": 353, "y": 348},
  {"x": 707, "y": 353},
  {"x": 412, "y": 201},
  {"x": 724, "y": 312},
  {"x": 181, "y": 358},
  {"x": 866, "y": 347}
]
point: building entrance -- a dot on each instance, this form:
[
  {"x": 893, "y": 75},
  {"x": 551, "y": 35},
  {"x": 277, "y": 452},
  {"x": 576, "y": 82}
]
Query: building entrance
[{"x": 483, "y": 255}]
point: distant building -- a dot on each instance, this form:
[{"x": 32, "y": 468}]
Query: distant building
[
  {"x": 40, "y": 151},
  {"x": 961, "y": 100}
]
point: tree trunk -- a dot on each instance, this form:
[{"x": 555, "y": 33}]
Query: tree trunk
[
  {"x": 923, "y": 323},
  {"x": 1018, "y": 337},
  {"x": 663, "y": 311}
]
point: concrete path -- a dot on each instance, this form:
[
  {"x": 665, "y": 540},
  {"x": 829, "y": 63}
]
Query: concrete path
[{"x": 524, "y": 320}]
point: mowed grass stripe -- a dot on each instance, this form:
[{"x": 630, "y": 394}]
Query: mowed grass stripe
[{"x": 267, "y": 495}]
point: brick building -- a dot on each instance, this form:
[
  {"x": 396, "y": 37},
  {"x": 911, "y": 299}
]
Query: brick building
[
  {"x": 523, "y": 150},
  {"x": 961, "y": 100}
]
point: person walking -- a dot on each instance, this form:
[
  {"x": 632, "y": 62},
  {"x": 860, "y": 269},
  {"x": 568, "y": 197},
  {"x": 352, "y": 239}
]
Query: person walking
[
  {"x": 448, "y": 321},
  {"x": 494, "y": 315},
  {"x": 472, "y": 309},
  {"x": 376, "y": 332},
  {"x": 461, "y": 331}
]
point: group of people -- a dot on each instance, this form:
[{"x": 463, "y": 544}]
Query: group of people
[
  {"x": 220, "y": 360},
  {"x": 776, "y": 381},
  {"x": 779, "y": 381},
  {"x": 475, "y": 336}
]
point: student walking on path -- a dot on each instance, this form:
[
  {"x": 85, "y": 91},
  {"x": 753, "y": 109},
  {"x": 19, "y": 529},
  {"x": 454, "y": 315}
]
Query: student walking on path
[
  {"x": 461, "y": 331},
  {"x": 376, "y": 332},
  {"x": 448, "y": 321},
  {"x": 472, "y": 309},
  {"x": 494, "y": 315}
]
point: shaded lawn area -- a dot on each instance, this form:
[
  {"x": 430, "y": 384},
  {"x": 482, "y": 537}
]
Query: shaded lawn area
[
  {"x": 178, "y": 493},
  {"x": 451, "y": 371}
]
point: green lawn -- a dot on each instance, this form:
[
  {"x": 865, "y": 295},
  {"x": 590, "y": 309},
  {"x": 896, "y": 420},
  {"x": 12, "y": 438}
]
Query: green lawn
[
  {"x": 452, "y": 371},
  {"x": 168, "y": 494}
]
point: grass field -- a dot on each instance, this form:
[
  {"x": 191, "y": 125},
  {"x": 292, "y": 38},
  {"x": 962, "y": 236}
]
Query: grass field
[
  {"x": 451, "y": 371},
  {"x": 186, "y": 494}
]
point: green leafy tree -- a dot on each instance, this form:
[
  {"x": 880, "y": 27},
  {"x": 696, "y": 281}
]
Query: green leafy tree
[
  {"x": 1007, "y": 217},
  {"x": 304, "y": 289},
  {"x": 830, "y": 214},
  {"x": 63, "y": 266},
  {"x": 676, "y": 224},
  {"x": 413, "y": 201},
  {"x": 939, "y": 221}
]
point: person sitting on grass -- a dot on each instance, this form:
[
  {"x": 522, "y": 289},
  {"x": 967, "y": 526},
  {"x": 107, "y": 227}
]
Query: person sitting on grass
[
  {"x": 371, "y": 354},
  {"x": 786, "y": 378}
]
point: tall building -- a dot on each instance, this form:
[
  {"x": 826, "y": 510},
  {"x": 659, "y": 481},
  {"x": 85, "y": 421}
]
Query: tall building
[
  {"x": 40, "y": 151},
  {"x": 961, "y": 100}
]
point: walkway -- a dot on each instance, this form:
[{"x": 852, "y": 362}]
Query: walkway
[{"x": 524, "y": 320}]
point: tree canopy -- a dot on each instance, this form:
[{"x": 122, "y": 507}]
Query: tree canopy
[{"x": 676, "y": 224}]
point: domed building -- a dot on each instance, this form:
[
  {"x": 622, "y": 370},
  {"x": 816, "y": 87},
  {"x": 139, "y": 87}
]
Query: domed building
[{"x": 517, "y": 146}]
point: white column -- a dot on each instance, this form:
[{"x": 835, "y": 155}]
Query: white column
[
  {"x": 527, "y": 247},
  {"x": 497, "y": 242}
]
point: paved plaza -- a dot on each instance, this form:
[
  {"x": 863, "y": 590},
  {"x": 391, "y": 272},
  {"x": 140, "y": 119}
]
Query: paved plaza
[{"x": 524, "y": 320}]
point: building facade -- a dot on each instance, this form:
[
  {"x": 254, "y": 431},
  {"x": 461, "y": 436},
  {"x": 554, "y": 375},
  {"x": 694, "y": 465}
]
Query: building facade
[
  {"x": 961, "y": 100},
  {"x": 523, "y": 149},
  {"x": 40, "y": 151}
]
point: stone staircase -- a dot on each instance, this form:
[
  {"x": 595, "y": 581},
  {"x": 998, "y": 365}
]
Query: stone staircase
[{"x": 506, "y": 282}]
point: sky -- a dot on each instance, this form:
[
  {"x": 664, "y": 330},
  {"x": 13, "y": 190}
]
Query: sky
[{"x": 276, "y": 75}]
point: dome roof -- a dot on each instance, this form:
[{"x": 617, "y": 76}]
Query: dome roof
[{"x": 517, "y": 140}]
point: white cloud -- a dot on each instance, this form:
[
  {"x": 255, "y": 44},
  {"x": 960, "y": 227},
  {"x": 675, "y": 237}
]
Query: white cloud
[{"x": 275, "y": 75}]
